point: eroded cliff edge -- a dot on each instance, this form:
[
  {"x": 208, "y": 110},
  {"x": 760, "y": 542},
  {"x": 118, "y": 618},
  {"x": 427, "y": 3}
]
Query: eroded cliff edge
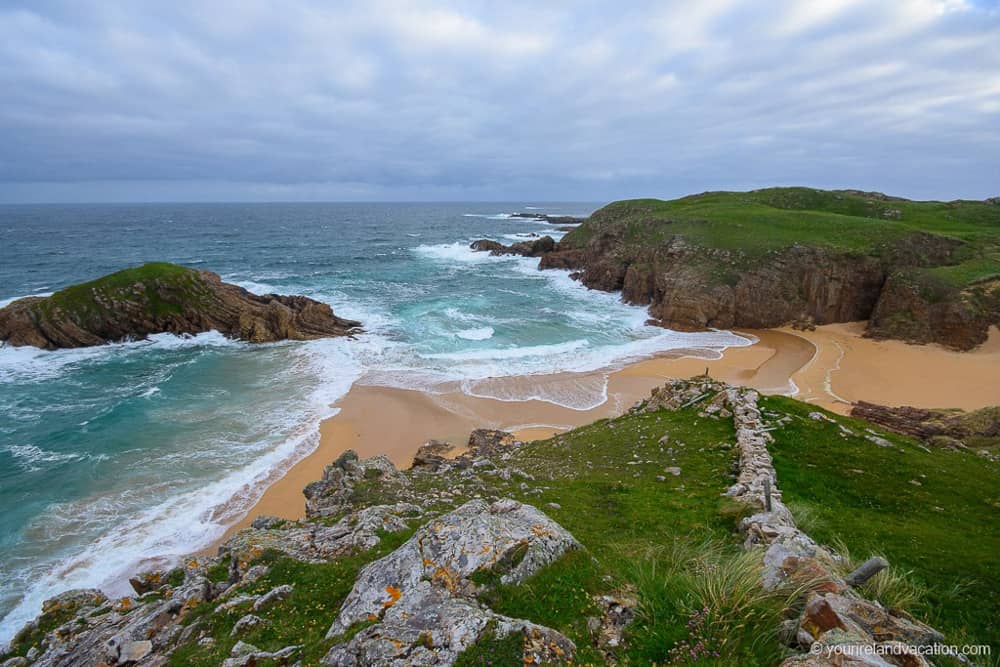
[
  {"x": 163, "y": 298},
  {"x": 918, "y": 271}
]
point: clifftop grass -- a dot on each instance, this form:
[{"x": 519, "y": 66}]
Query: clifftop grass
[
  {"x": 761, "y": 221},
  {"x": 669, "y": 541},
  {"x": 143, "y": 283}
]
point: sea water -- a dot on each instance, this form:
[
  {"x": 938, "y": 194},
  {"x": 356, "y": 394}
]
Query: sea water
[{"x": 141, "y": 452}]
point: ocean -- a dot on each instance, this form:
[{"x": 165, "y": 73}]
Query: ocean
[{"x": 143, "y": 452}]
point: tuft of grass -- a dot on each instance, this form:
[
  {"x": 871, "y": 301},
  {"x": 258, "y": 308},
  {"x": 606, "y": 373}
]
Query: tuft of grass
[
  {"x": 702, "y": 602},
  {"x": 491, "y": 651},
  {"x": 893, "y": 587}
]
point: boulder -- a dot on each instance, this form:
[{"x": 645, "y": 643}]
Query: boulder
[
  {"x": 422, "y": 597},
  {"x": 332, "y": 494},
  {"x": 431, "y": 455},
  {"x": 487, "y": 443}
]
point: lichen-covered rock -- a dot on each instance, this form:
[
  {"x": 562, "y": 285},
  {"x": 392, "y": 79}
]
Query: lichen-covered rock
[
  {"x": 421, "y": 593},
  {"x": 127, "y": 633},
  {"x": 315, "y": 542},
  {"x": 332, "y": 494},
  {"x": 831, "y": 611}
]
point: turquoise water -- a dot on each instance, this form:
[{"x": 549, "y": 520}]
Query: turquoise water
[{"x": 139, "y": 453}]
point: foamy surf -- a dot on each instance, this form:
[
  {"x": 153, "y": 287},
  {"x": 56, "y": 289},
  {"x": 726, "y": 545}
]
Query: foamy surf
[{"x": 232, "y": 417}]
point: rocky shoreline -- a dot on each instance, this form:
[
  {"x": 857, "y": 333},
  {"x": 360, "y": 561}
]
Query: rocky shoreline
[
  {"x": 164, "y": 298},
  {"x": 689, "y": 284}
]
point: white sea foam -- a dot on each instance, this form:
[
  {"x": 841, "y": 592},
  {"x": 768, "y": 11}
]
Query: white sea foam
[
  {"x": 489, "y": 216},
  {"x": 18, "y": 364},
  {"x": 181, "y": 523},
  {"x": 31, "y": 458},
  {"x": 458, "y": 251},
  {"x": 480, "y": 333}
]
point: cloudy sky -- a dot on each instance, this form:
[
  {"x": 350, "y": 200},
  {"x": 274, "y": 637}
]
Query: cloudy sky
[{"x": 560, "y": 100}]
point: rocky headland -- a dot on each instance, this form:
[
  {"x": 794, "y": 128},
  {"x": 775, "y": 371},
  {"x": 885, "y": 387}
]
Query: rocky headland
[
  {"x": 163, "y": 298},
  {"x": 917, "y": 271}
]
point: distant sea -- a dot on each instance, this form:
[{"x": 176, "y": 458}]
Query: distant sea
[{"x": 117, "y": 455}]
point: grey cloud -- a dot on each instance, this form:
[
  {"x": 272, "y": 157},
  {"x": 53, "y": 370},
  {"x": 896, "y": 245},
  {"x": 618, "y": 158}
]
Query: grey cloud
[{"x": 421, "y": 100}]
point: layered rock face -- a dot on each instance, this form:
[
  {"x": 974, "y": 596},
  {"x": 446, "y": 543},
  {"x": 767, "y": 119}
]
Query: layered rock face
[
  {"x": 688, "y": 285},
  {"x": 946, "y": 428},
  {"x": 159, "y": 298},
  {"x": 536, "y": 248}
]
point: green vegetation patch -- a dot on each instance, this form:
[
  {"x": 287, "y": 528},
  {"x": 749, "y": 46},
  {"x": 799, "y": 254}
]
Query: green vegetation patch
[
  {"x": 932, "y": 513},
  {"x": 147, "y": 284},
  {"x": 754, "y": 224},
  {"x": 302, "y": 619}
]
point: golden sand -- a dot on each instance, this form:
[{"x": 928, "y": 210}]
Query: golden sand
[{"x": 830, "y": 367}]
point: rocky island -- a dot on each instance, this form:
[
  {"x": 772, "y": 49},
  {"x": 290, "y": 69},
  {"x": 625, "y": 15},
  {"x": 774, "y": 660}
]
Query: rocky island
[
  {"x": 163, "y": 298},
  {"x": 917, "y": 271}
]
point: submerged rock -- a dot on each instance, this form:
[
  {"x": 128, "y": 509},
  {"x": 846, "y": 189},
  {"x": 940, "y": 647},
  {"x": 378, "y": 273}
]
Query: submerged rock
[
  {"x": 164, "y": 298},
  {"x": 535, "y": 248}
]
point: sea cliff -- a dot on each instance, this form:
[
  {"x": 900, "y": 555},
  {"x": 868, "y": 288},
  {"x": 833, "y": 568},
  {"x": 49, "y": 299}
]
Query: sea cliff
[{"x": 918, "y": 271}]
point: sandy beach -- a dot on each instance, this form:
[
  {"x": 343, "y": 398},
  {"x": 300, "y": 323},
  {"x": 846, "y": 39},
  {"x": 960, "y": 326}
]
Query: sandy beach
[{"x": 830, "y": 366}]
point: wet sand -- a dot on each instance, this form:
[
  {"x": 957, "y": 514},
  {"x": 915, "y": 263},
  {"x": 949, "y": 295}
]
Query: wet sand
[
  {"x": 830, "y": 367},
  {"x": 850, "y": 368}
]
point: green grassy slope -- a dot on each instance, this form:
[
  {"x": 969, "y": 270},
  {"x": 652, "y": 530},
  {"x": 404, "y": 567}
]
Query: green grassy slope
[
  {"x": 93, "y": 300},
  {"x": 761, "y": 221},
  {"x": 670, "y": 541}
]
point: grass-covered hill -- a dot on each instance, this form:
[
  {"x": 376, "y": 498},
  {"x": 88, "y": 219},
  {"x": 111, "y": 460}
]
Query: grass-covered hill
[
  {"x": 920, "y": 271},
  {"x": 660, "y": 571},
  {"x": 160, "y": 297}
]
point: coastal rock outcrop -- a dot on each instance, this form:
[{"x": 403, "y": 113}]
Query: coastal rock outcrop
[
  {"x": 534, "y": 248},
  {"x": 704, "y": 269},
  {"x": 947, "y": 428},
  {"x": 422, "y": 597},
  {"x": 551, "y": 219},
  {"x": 164, "y": 298}
]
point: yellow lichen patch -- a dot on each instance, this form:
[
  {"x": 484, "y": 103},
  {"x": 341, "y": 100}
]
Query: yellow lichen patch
[
  {"x": 372, "y": 617},
  {"x": 394, "y": 595},
  {"x": 124, "y": 604},
  {"x": 540, "y": 531},
  {"x": 447, "y": 578}
]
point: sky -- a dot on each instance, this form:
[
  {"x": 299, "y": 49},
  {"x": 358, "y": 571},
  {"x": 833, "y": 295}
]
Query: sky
[{"x": 571, "y": 100}]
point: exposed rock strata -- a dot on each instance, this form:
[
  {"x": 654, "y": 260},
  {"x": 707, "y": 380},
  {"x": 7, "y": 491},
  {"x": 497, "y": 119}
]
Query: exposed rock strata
[
  {"x": 535, "y": 248},
  {"x": 158, "y": 298},
  {"x": 948, "y": 428},
  {"x": 688, "y": 284}
]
